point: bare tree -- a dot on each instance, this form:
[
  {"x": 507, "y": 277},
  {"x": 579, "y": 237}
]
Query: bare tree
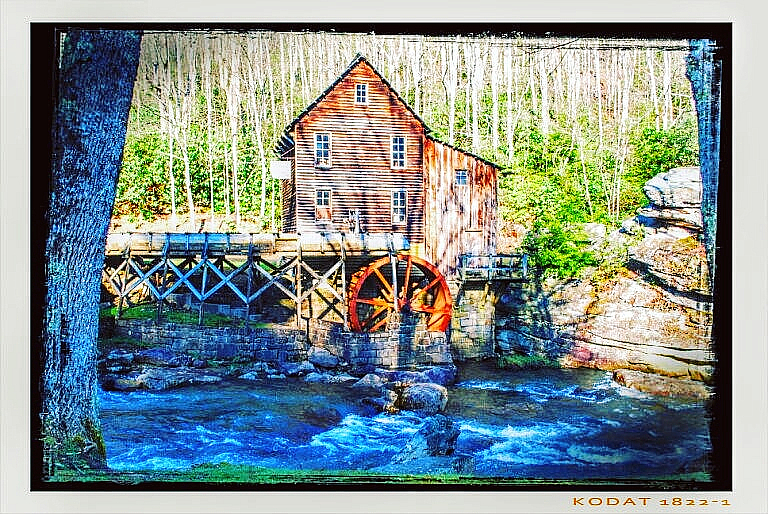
[{"x": 186, "y": 95}]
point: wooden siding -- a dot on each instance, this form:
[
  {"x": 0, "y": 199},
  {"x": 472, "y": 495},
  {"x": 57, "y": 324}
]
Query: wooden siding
[
  {"x": 459, "y": 219},
  {"x": 288, "y": 201},
  {"x": 360, "y": 176}
]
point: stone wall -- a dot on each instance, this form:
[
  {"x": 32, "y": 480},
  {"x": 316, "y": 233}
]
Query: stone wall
[
  {"x": 472, "y": 324},
  {"x": 405, "y": 342},
  {"x": 258, "y": 344}
]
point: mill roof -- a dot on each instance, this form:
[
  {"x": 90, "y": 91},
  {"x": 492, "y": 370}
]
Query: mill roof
[{"x": 286, "y": 143}]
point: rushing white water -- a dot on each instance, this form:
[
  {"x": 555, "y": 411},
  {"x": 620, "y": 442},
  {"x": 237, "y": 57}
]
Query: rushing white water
[{"x": 545, "y": 424}]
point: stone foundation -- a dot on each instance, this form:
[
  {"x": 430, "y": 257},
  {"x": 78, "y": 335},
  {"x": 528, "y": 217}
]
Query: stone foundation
[
  {"x": 473, "y": 318},
  {"x": 403, "y": 343},
  {"x": 258, "y": 344}
]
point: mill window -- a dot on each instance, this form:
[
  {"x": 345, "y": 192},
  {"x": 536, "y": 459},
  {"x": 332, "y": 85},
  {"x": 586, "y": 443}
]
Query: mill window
[
  {"x": 399, "y": 206},
  {"x": 461, "y": 177},
  {"x": 322, "y": 150},
  {"x": 323, "y": 204},
  {"x": 361, "y": 93},
  {"x": 398, "y": 151}
]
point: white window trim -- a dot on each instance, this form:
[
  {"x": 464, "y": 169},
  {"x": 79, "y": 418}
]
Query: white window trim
[
  {"x": 392, "y": 206},
  {"x": 392, "y": 152},
  {"x": 365, "y": 86},
  {"x": 330, "y": 150},
  {"x": 456, "y": 177}
]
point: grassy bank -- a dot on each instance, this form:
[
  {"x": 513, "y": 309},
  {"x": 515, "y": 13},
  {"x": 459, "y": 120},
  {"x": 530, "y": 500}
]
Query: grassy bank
[{"x": 258, "y": 476}]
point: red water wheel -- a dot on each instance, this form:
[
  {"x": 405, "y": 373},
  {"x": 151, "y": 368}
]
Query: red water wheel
[{"x": 421, "y": 288}]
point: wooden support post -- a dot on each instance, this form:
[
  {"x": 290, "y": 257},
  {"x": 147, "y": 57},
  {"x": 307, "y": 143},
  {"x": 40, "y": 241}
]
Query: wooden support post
[
  {"x": 249, "y": 274},
  {"x": 163, "y": 282},
  {"x": 345, "y": 300},
  {"x": 297, "y": 278},
  {"x": 393, "y": 261},
  {"x": 204, "y": 257},
  {"x": 124, "y": 281}
]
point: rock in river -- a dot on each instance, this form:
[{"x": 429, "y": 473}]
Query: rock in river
[
  {"x": 322, "y": 358},
  {"x": 437, "y": 436},
  {"x": 424, "y": 398}
]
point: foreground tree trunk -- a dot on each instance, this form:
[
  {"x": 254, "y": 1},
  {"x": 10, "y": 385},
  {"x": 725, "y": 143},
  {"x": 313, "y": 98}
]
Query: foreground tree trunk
[
  {"x": 95, "y": 85},
  {"x": 704, "y": 72}
]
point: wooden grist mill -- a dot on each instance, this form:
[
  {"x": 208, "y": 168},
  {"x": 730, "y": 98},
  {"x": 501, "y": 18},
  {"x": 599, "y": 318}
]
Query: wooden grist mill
[{"x": 378, "y": 216}]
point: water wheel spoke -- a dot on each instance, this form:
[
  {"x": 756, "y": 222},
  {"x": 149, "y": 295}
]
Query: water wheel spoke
[
  {"x": 378, "y": 325},
  {"x": 366, "y": 323},
  {"x": 376, "y": 302},
  {"x": 420, "y": 307},
  {"x": 407, "y": 281},
  {"x": 423, "y": 290},
  {"x": 387, "y": 295},
  {"x": 383, "y": 280}
]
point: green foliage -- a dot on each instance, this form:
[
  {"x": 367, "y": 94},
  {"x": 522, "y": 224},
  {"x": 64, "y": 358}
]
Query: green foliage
[
  {"x": 557, "y": 249},
  {"x": 657, "y": 150},
  {"x": 186, "y": 317},
  {"x": 142, "y": 189},
  {"x": 518, "y": 361}
]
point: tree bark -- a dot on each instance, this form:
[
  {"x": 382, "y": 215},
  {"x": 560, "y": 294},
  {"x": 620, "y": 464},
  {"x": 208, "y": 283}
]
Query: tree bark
[
  {"x": 209, "y": 120},
  {"x": 95, "y": 84},
  {"x": 704, "y": 70}
]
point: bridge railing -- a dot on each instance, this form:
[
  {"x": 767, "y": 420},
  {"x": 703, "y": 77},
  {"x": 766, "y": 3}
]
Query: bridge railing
[{"x": 497, "y": 267}]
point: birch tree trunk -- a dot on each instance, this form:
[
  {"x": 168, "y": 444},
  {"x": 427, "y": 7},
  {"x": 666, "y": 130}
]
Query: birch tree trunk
[
  {"x": 186, "y": 74},
  {"x": 495, "y": 99},
  {"x": 478, "y": 81},
  {"x": 96, "y": 75},
  {"x": 666, "y": 115},
  {"x": 453, "y": 77},
  {"x": 509, "y": 129},
  {"x": 652, "y": 75},
  {"x": 544, "y": 85},
  {"x": 209, "y": 120}
]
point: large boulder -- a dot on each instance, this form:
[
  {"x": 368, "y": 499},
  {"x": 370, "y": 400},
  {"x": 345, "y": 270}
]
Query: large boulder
[
  {"x": 167, "y": 378},
  {"x": 675, "y": 199},
  {"x": 321, "y": 415},
  {"x": 162, "y": 356},
  {"x": 680, "y": 264},
  {"x": 677, "y": 188},
  {"x": 437, "y": 436},
  {"x": 424, "y": 398},
  {"x": 662, "y": 386},
  {"x": 370, "y": 383},
  {"x": 294, "y": 369},
  {"x": 442, "y": 375},
  {"x": 322, "y": 358}
]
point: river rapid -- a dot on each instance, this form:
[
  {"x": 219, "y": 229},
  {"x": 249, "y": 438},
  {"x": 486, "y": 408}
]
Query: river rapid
[{"x": 548, "y": 424}]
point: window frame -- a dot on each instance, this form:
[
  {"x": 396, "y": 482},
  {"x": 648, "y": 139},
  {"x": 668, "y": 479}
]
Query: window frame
[
  {"x": 361, "y": 86},
  {"x": 317, "y": 162},
  {"x": 392, "y": 163},
  {"x": 464, "y": 174},
  {"x": 327, "y": 206},
  {"x": 396, "y": 208}
]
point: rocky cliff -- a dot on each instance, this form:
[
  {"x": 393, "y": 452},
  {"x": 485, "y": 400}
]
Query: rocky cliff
[{"x": 647, "y": 317}]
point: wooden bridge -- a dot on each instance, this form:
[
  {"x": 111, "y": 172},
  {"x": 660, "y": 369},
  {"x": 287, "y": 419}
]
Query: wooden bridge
[{"x": 356, "y": 279}]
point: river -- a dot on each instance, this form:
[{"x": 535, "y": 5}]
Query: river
[{"x": 549, "y": 424}]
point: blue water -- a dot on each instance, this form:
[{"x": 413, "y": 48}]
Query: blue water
[{"x": 539, "y": 424}]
